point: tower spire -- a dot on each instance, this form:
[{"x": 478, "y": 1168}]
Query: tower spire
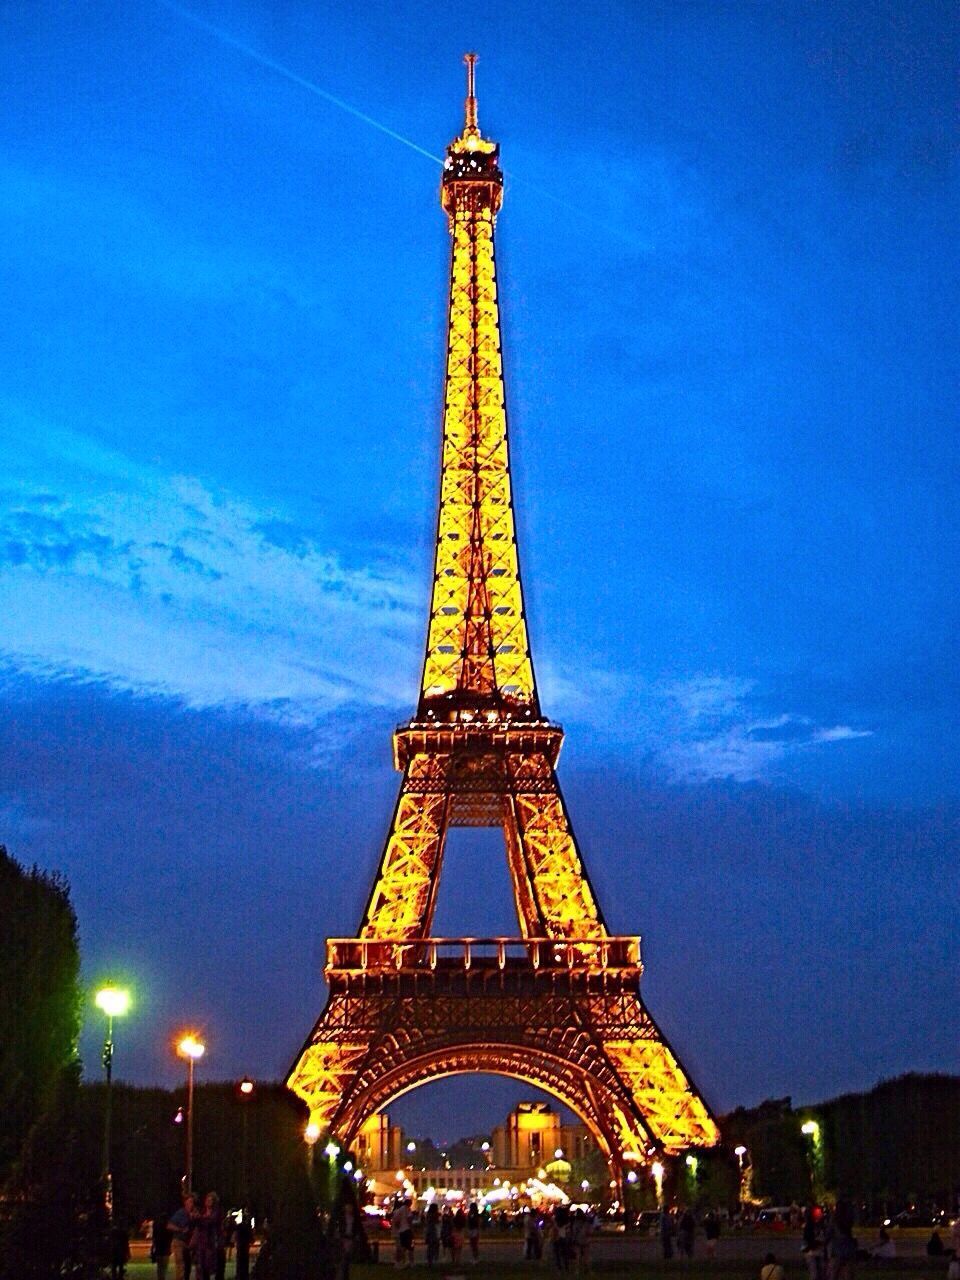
[{"x": 471, "y": 104}]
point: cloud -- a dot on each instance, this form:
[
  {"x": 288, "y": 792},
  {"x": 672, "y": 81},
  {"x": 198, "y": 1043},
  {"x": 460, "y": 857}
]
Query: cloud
[
  {"x": 154, "y": 584},
  {"x": 715, "y": 731}
]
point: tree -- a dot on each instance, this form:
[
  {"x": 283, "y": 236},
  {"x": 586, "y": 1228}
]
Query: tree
[{"x": 39, "y": 1072}]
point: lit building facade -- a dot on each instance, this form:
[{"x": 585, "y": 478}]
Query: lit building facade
[{"x": 525, "y": 1146}]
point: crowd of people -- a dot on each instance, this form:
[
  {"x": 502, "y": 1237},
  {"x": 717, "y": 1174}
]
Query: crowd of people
[
  {"x": 195, "y": 1238},
  {"x": 563, "y": 1234}
]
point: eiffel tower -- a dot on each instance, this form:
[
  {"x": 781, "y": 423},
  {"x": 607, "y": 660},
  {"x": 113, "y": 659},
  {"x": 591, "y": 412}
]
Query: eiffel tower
[{"x": 559, "y": 1006}]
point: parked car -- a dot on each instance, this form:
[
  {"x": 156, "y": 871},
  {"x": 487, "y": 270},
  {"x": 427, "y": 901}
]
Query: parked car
[{"x": 774, "y": 1219}]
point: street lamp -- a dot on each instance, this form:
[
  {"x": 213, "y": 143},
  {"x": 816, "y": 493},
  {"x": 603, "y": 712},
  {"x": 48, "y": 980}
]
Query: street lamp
[
  {"x": 740, "y": 1152},
  {"x": 192, "y": 1049},
  {"x": 244, "y": 1093},
  {"x": 657, "y": 1170},
  {"x": 811, "y": 1129},
  {"x": 114, "y": 1002}
]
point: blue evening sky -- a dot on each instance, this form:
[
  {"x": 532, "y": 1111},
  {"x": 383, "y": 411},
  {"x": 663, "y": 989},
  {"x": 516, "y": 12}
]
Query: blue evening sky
[{"x": 728, "y": 275}]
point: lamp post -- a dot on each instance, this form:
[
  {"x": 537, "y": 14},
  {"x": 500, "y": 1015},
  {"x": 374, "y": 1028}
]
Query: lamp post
[
  {"x": 192, "y": 1049},
  {"x": 114, "y": 1002},
  {"x": 310, "y": 1135},
  {"x": 245, "y": 1094},
  {"x": 811, "y": 1129},
  {"x": 740, "y": 1152}
]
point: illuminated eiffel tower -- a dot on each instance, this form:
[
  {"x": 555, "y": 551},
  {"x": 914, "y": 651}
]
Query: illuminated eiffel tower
[{"x": 559, "y": 1006}]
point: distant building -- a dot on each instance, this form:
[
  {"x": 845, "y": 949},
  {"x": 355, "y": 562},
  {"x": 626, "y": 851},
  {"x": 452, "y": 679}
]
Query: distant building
[
  {"x": 533, "y": 1142},
  {"x": 532, "y": 1136}
]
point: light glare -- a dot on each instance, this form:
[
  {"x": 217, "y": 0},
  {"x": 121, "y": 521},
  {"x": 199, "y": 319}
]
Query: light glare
[{"x": 113, "y": 1001}]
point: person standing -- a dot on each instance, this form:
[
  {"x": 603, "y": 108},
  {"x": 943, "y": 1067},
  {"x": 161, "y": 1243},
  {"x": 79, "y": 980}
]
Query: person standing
[
  {"x": 119, "y": 1250},
  {"x": 431, "y": 1234},
  {"x": 840, "y": 1242},
  {"x": 180, "y": 1225},
  {"x": 532, "y": 1245},
  {"x": 771, "y": 1269},
  {"x": 473, "y": 1231},
  {"x": 206, "y": 1243},
  {"x": 558, "y": 1237},
  {"x": 711, "y": 1231},
  {"x": 685, "y": 1233},
  {"x": 456, "y": 1242},
  {"x": 446, "y": 1232},
  {"x": 160, "y": 1245},
  {"x": 348, "y": 1228},
  {"x": 242, "y": 1234},
  {"x": 666, "y": 1233}
]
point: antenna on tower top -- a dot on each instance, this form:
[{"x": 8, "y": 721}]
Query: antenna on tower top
[{"x": 471, "y": 60}]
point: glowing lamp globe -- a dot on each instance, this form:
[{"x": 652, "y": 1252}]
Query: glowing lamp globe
[
  {"x": 191, "y": 1047},
  {"x": 113, "y": 1001},
  {"x": 810, "y": 1128}
]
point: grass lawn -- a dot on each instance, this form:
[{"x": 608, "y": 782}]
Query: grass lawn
[{"x": 678, "y": 1269}]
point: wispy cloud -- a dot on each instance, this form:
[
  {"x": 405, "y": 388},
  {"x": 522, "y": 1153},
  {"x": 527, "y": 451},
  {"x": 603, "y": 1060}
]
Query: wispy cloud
[
  {"x": 704, "y": 727},
  {"x": 154, "y": 584},
  {"x": 714, "y": 730}
]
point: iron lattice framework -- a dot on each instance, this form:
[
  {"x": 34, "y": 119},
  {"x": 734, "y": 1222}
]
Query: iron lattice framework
[{"x": 558, "y": 1007}]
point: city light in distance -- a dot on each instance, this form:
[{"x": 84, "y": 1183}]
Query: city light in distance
[{"x": 246, "y": 1086}]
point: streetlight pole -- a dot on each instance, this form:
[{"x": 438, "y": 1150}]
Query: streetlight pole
[
  {"x": 245, "y": 1092},
  {"x": 740, "y": 1152},
  {"x": 114, "y": 1002},
  {"x": 192, "y": 1049}
]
